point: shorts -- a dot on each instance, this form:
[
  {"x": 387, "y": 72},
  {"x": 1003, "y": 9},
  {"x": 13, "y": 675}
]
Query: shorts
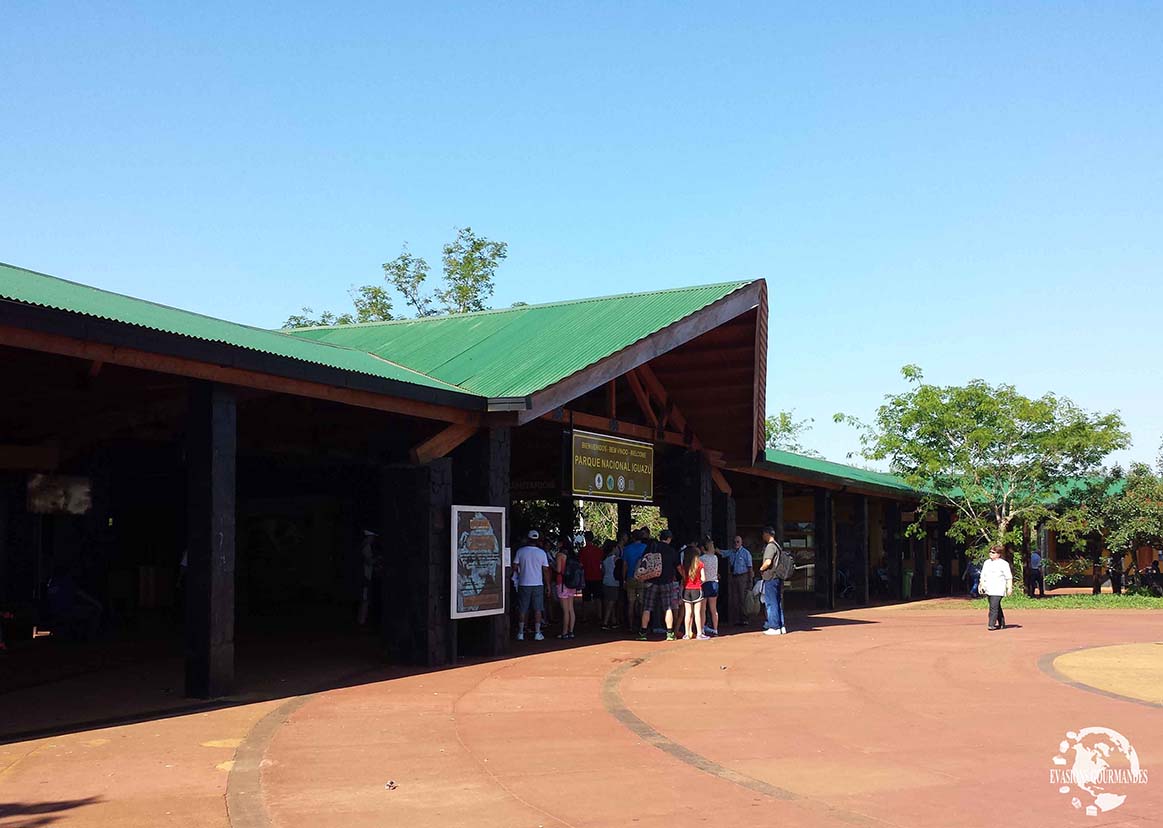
[
  {"x": 565, "y": 593},
  {"x": 593, "y": 590},
  {"x": 634, "y": 592},
  {"x": 661, "y": 597},
  {"x": 692, "y": 596},
  {"x": 530, "y": 597},
  {"x": 610, "y": 594},
  {"x": 711, "y": 589}
]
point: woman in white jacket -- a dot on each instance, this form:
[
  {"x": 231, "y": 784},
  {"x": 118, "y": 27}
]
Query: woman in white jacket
[{"x": 997, "y": 581}]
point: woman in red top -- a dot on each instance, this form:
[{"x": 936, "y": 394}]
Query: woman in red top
[{"x": 692, "y": 592}]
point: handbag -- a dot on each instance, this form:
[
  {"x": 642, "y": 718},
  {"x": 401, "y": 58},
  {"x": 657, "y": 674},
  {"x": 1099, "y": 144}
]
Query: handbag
[{"x": 649, "y": 566}]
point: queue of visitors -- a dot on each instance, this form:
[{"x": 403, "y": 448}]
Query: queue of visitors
[{"x": 651, "y": 585}]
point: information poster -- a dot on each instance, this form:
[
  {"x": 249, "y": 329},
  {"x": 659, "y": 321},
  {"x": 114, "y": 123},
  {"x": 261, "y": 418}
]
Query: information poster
[
  {"x": 612, "y": 468},
  {"x": 478, "y": 565}
]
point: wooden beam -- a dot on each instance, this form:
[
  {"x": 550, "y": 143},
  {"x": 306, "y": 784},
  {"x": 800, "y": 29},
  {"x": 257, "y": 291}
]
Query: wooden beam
[
  {"x": 95, "y": 368},
  {"x": 720, "y": 482},
  {"x": 441, "y": 443},
  {"x": 637, "y": 432},
  {"x": 656, "y": 389},
  {"x": 612, "y": 399},
  {"x": 641, "y": 396},
  {"x": 146, "y": 361}
]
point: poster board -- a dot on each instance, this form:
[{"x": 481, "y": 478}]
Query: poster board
[
  {"x": 611, "y": 468},
  {"x": 478, "y": 566}
]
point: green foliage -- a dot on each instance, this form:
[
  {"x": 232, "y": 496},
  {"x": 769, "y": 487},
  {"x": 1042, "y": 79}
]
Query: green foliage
[
  {"x": 406, "y": 273},
  {"x": 1133, "y": 516},
  {"x": 783, "y": 431},
  {"x": 997, "y": 458},
  {"x": 601, "y": 518},
  {"x": 470, "y": 264}
]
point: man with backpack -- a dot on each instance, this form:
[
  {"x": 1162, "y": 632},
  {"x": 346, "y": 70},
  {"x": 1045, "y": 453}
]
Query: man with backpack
[
  {"x": 777, "y": 567},
  {"x": 660, "y": 568}
]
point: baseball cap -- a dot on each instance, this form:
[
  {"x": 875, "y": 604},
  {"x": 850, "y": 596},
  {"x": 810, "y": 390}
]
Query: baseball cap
[
  {"x": 579, "y": 540},
  {"x": 665, "y": 535},
  {"x": 534, "y": 534}
]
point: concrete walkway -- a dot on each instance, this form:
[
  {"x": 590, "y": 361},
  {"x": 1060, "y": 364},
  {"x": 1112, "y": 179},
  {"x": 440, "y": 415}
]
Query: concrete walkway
[{"x": 886, "y": 716}]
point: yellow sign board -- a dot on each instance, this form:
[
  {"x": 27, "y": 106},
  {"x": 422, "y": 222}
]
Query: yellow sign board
[{"x": 611, "y": 468}]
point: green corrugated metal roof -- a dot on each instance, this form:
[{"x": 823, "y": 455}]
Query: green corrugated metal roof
[
  {"x": 519, "y": 351},
  {"x": 34, "y": 288},
  {"x": 837, "y": 471}
]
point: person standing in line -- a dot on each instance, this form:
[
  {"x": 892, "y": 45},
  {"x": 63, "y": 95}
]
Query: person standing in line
[
  {"x": 611, "y": 589},
  {"x": 591, "y": 561},
  {"x": 566, "y": 594},
  {"x": 662, "y": 593},
  {"x": 692, "y": 593},
  {"x": 772, "y": 586},
  {"x": 532, "y": 566},
  {"x": 742, "y": 572},
  {"x": 634, "y": 588},
  {"x": 997, "y": 581},
  {"x": 710, "y": 559},
  {"x": 1037, "y": 582}
]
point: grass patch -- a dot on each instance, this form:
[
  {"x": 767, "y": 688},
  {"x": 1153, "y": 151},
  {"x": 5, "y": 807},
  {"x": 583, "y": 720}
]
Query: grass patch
[{"x": 1102, "y": 601}]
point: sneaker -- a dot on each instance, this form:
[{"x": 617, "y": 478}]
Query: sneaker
[
  {"x": 771, "y": 631},
  {"x": 521, "y": 635},
  {"x": 702, "y": 638},
  {"x": 710, "y": 631},
  {"x": 642, "y": 635},
  {"x": 539, "y": 637},
  {"x": 783, "y": 630},
  {"x": 686, "y": 636},
  {"x": 669, "y": 636}
]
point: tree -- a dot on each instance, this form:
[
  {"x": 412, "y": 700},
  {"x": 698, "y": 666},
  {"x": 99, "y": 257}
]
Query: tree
[
  {"x": 470, "y": 264},
  {"x": 1132, "y": 517},
  {"x": 997, "y": 459},
  {"x": 783, "y": 431}
]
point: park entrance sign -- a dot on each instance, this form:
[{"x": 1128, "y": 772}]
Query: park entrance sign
[{"x": 611, "y": 468}]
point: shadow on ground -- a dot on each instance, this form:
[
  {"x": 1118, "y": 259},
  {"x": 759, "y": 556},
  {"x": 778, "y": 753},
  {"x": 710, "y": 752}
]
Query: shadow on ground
[{"x": 36, "y": 814}]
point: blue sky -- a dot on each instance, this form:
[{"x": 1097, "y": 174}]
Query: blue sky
[{"x": 977, "y": 189}]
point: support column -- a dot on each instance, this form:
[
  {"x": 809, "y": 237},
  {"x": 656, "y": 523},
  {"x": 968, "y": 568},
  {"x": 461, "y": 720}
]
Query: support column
[
  {"x": 565, "y": 517},
  {"x": 945, "y": 550},
  {"x": 825, "y": 551},
  {"x": 722, "y": 519},
  {"x": 211, "y": 449},
  {"x": 625, "y": 520},
  {"x": 481, "y": 478},
  {"x": 864, "y": 563},
  {"x": 689, "y": 511},
  {"x": 417, "y": 508},
  {"x": 895, "y": 551}
]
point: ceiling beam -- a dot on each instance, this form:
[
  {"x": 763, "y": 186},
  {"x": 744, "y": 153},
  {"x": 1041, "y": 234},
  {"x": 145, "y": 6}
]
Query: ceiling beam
[
  {"x": 441, "y": 443},
  {"x": 642, "y": 397}
]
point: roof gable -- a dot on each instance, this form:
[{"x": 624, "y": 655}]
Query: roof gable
[{"x": 519, "y": 351}]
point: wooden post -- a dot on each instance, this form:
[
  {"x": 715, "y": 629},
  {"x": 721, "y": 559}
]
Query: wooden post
[
  {"x": 211, "y": 448},
  {"x": 780, "y": 528},
  {"x": 895, "y": 550},
  {"x": 625, "y": 520},
  {"x": 417, "y": 507},
  {"x": 865, "y": 563},
  {"x": 722, "y": 520},
  {"x": 825, "y": 551}
]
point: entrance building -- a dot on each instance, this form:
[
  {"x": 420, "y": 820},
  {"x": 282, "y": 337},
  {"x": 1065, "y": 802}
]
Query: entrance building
[{"x": 161, "y": 470}]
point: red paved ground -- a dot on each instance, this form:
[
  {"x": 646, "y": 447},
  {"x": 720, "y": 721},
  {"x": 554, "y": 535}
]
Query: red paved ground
[{"x": 890, "y": 716}]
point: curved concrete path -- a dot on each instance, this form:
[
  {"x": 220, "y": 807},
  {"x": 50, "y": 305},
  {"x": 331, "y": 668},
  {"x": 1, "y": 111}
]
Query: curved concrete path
[
  {"x": 875, "y": 717},
  {"x": 894, "y": 717}
]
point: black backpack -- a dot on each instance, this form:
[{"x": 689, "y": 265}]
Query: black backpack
[
  {"x": 785, "y": 564},
  {"x": 573, "y": 575}
]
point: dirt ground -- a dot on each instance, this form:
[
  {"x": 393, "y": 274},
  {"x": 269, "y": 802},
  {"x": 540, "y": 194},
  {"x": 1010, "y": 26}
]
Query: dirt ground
[{"x": 884, "y": 716}]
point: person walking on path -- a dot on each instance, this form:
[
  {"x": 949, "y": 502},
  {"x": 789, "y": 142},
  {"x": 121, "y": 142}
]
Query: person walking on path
[
  {"x": 710, "y": 559},
  {"x": 1037, "y": 582},
  {"x": 631, "y": 555},
  {"x": 611, "y": 589},
  {"x": 997, "y": 581},
  {"x": 692, "y": 593},
  {"x": 742, "y": 575},
  {"x": 772, "y": 586},
  {"x": 570, "y": 581},
  {"x": 532, "y": 583},
  {"x": 662, "y": 592}
]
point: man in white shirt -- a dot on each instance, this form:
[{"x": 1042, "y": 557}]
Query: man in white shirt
[
  {"x": 532, "y": 566},
  {"x": 1036, "y": 580},
  {"x": 997, "y": 581}
]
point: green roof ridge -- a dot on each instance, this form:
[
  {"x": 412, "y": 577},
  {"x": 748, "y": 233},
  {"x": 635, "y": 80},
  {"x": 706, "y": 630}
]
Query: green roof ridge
[{"x": 493, "y": 311}]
